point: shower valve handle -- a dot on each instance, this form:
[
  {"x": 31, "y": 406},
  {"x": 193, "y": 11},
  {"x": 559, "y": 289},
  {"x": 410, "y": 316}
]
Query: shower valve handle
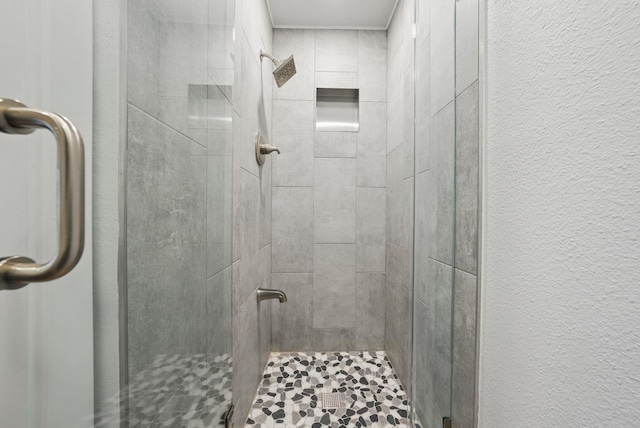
[{"x": 263, "y": 149}]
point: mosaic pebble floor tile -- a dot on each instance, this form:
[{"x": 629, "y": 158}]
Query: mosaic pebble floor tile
[
  {"x": 176, "y": 391},
  {"x": 290, "y": 394}
]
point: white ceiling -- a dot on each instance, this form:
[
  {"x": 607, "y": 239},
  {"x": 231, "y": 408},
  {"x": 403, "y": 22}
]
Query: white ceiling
[{"x": 334, "y": 14}]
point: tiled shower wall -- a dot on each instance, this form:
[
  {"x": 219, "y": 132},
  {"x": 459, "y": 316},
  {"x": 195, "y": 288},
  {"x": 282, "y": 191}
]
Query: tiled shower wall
[
  {"x": 446, "y": 174},
  {"x": 329, "y": 196},
  {"x": 178, "y": 178},
  {"x": 400, "y": 166},
  {"x": 251, "y": 202},
  {"x": 198, "y": 204}
]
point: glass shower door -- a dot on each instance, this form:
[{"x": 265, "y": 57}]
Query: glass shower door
[
  {"x": 434, "y": 231},
  {"x": 178, "y": 212}
]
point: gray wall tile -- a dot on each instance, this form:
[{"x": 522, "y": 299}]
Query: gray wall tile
[
  {"x": 292, "y": 321},
  {"x": 293, "y": 134},
  {"x": 373, "y": 128},
  {"x": 467, "y": 158},
  {"x": 441, "y": 185},
  {"x": 334, "y": 286},
  {"x": 372, "y": 171},
  {"x": 370, "y": 236},
  {"x": 395, "y": 200},
  {"x": 464, "y": 349},
  {"x": 334, "y": 144},
  {"x": 336, "y": 50},
  {"x": 466, "y": 44},
  {"x": 334, "y": 200},
  {"x": 292, "y": 229},
  {"x": 246, "y": 226},
  {"x": 422, "y": 105},
  {"x": 166, "y": 213},
  {"x": 300, "y": 44},
  {"x": 333, "y": 340},
  {"x": 372, "y": 65},
  {"x": 247, "y": 366},
  {"x": 336, "y": 79},
  {"x": 219, "y": 211},
  {"x": 219, "y": 312},
  {"x": 343, "y": 162},
  {"x": 423, "y": 20},
  {"x": 370, "y": 311},
  {"x": 442, "y": 65}
]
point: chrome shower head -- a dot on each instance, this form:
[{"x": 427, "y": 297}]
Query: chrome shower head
[{"x": 284, "y": 70}]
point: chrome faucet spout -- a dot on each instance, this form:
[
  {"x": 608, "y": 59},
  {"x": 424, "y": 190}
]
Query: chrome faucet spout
[
  {"x": 268, "y": 148},
  {"x": 266, "y": 294}
]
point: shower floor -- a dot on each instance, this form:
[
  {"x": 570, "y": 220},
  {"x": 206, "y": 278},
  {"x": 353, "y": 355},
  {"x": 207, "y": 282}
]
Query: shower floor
[{"x": 290, "y": 394}]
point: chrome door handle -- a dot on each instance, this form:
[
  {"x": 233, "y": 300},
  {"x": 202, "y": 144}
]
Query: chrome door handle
[{"x": 18, "y": 271}]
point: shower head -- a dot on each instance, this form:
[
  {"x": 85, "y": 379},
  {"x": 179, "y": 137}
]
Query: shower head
[{"x": 285, "y": 69}]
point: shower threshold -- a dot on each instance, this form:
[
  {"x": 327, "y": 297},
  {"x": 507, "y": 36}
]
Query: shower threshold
[{"x": 329, "y": 389}]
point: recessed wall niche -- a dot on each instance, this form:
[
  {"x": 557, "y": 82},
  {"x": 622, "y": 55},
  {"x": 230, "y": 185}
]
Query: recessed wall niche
[{"x": 337, "y": 110}]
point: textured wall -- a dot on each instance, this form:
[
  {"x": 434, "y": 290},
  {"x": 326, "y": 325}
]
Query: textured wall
[
  {"x": 329, "y": 196},
  {"x": 560, "y": 344}
]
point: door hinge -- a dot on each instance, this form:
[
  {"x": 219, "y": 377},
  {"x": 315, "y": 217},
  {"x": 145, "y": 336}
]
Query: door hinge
[
  {"x": 228, "y": 417},
  {"x": 446, "y": 422}
]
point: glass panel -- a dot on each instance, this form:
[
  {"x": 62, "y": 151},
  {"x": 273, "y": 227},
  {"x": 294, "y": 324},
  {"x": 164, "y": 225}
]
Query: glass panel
[
  {"x": 434, "y": 210},
  {"x": 178, "y": 210}
]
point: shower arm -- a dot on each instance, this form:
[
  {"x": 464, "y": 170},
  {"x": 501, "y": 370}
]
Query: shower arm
[{"x": 266, "y": 55}]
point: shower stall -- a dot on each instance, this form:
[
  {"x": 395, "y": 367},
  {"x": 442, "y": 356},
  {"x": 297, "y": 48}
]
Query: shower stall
[{"x": 357, "y": 240}]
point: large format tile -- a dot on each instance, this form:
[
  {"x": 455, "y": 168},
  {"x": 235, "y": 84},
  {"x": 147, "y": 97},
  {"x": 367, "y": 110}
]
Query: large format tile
[
  {"x": 336, "y": 79},
  {"x": 219, "y": 313},
  {"x": 372, "y": 171},
  {"x": 333, "y": 339},
  {"x": 219, "y": 211},
  {"x": 373, "y": 128},
  {"x": 336, "y": 50},
  {"x": 372, "y": 65},
  {"x": 334, "y": 286},
  {"x": 467, "y": 43},
  {"x": 467, "y": 159},
  {"x": 334, "y": 214},
  {"x": 423, "y": 20},
  {"x": 166, "y": 230},
  {"x": 396, "y": 202},
  {"x": 442, "y": 65},
  {"x": 142, "y": 56},
  {"x": 464, "y": 349},
  {"x": 441, "y": 186},
  {"x": 370, "y": 311},
  {"x": 292, "y": 229},
  {"x": 266, "y": 209},
  {"x": 246, "y": 355},
  {"x": 292, "y": 321},
  {"x": 334, "y": 144},
  {"x": 370, "y": 236},
  {"x": 246, "y": 226},
  {"x": 432, "y": 362},
  {"x": 300, "y": 44},
  {"x": 293, "y": 134},
  {"x": 422, "y": 100},
  {"x": 251, "y": 111},
  {"x": 256, "y": 24},
  {"x": 395, "y": 106},
  {"x": 409, "y": 122}
]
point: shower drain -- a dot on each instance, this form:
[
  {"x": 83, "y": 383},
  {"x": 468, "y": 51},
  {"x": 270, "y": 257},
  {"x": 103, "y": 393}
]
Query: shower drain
[{"x": 333, "y": 401}]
